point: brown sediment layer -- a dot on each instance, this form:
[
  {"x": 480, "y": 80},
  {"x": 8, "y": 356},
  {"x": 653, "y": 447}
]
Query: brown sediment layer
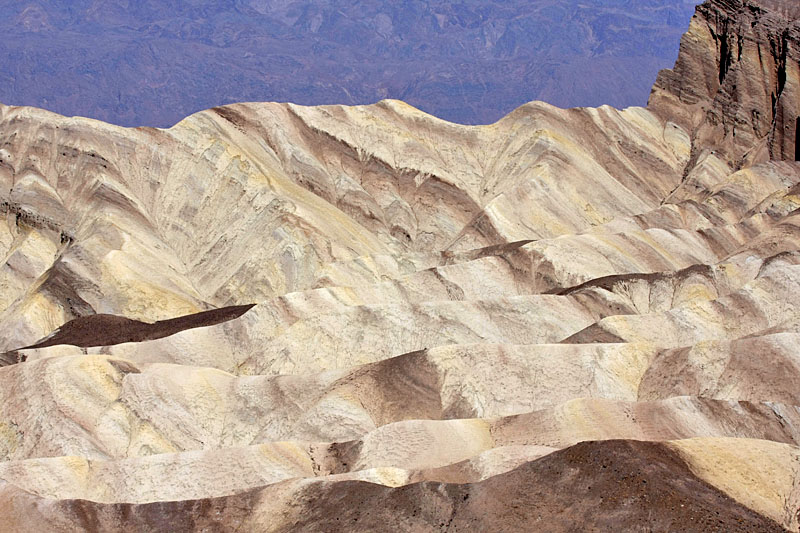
[
  {"x": 108, "y": 330},
  {"x": 592, "y": 486}
]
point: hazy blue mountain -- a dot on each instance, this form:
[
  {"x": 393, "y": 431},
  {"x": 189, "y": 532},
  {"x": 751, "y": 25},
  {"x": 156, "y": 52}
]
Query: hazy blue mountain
[{"x": 153, "y": 62}]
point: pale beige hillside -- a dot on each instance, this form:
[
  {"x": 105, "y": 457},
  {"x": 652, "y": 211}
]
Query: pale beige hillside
[{"x": 272, "y": 317}]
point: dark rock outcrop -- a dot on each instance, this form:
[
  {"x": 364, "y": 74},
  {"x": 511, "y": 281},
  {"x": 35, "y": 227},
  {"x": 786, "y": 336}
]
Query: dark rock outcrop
[
  {"x": 736, "y": 84},
  {"x": 108, "y": 330}
]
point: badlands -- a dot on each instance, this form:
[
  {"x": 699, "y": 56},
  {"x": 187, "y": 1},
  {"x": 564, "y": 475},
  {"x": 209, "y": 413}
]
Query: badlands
[{"x": 272, "y": 317}]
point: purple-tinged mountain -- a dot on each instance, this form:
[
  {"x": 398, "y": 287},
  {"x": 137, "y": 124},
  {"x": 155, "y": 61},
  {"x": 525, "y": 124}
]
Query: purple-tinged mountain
[{"x": 152, "y": 63}]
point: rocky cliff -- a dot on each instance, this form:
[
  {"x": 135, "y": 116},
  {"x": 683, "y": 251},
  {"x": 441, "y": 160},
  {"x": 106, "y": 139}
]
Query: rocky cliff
[
  {"x": 735, "y": 85},
  {"x": 277, "y": 317}
]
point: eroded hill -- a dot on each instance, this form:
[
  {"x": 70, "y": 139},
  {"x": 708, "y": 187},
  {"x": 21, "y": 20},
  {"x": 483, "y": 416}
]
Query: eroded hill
[{"x": 277, "y": 317}]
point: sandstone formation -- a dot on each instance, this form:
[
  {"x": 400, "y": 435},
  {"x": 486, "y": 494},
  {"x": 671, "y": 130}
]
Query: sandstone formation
[{"x": 282, "y": 318}]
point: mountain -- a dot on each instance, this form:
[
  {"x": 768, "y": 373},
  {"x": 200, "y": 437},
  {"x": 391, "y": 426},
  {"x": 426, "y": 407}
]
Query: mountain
[
  {"x": 273, "y": 317},
  {"x": 152, "y": 63}
]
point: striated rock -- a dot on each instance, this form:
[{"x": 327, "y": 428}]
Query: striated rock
[
  {"x": 273, "y": 317},
  {"x": 736, "y": 85}
]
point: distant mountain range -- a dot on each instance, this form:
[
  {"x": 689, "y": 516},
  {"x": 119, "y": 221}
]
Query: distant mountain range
[{"x": 154, "y": 62}]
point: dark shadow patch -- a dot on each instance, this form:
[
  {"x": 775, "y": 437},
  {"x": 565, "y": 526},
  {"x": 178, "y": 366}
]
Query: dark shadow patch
[{"x": 797, "y": 140}]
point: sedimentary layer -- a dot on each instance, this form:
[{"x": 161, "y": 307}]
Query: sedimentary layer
[{"x": 286, "y": 318}]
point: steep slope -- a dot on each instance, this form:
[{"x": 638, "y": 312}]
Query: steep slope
[
  {"x": 735, "y": 85},
  {"x": 277, "y": 317}
]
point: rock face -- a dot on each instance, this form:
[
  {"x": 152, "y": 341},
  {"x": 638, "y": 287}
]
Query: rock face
[
  {"x": 735, "y": 85},
  {"x": 286, "y": 318}
]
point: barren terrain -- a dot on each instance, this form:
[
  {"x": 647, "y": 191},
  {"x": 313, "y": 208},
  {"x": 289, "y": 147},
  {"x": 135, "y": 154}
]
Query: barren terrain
[{"x": 272, "y": 317}]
